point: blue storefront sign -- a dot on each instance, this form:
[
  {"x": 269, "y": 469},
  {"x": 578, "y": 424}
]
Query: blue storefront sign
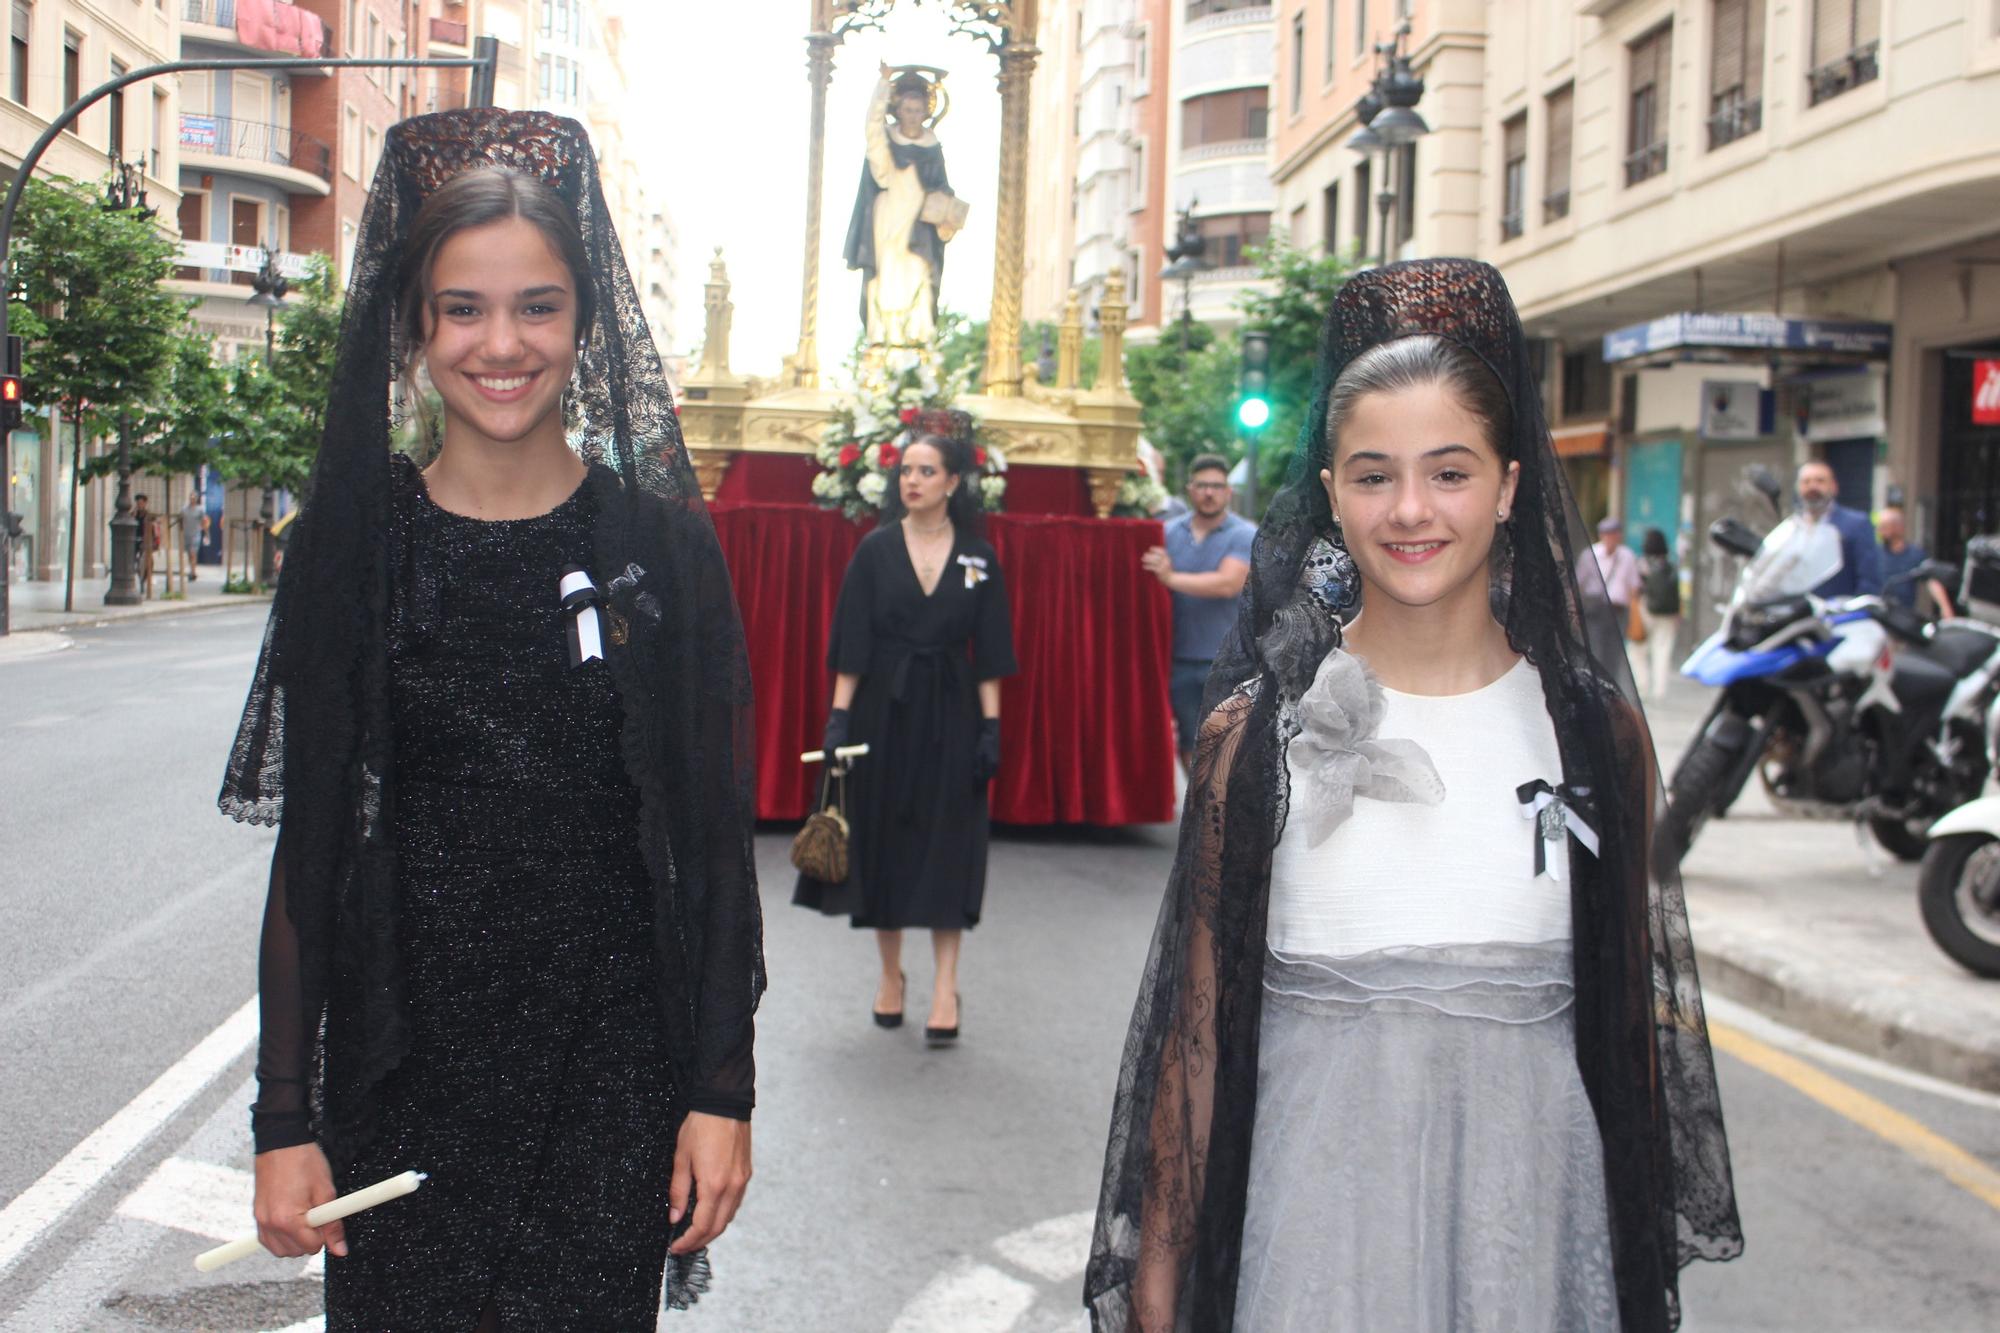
[{"x": 1771, "y": 333}]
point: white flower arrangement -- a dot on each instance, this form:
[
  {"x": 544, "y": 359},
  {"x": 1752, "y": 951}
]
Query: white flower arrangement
[{"x": 863, "y": 446}]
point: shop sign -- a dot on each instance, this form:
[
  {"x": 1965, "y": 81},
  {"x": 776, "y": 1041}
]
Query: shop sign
[
  {"x": 1986, "y": 393},
  {"x": 1845, "y": 407},
  {"x": 1770, "y": 333},
  {"x": 198, "y": 132},
  {"x": 1732, "y": 410}
]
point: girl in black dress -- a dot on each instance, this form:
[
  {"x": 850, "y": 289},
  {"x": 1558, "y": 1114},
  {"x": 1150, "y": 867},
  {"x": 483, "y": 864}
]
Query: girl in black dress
[
  {"x": 513, "y": 938},
  {"x": 921, "y": 588}
]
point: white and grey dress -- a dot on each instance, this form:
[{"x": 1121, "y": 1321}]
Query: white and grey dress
[{"x": 1424, "y": 1155}]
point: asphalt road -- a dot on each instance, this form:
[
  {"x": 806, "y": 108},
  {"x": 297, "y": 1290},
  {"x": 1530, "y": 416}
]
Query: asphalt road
[{"x": 897, "y": 1189}]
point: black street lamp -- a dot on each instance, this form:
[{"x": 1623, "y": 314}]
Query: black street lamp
[
  {"x": 1389, "y": 121},
  {"x": 1186, "y": 253},
  {"x": 125, "y": 192},
  {"x": 270, "y": 287}
]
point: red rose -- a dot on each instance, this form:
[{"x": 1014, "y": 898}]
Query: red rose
[
  {"x": 887, "y": 455},
  {"x": 978, "y": 457},
  {"x": 907, "y": 415},
  {"x": 850, "y": 454}
]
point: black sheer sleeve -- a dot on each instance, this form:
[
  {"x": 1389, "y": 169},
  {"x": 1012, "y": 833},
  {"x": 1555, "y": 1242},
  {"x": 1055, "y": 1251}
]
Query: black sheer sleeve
[
  {"x": 280, "y": 1117},
  {"x": 852, "y": 640},
  {"x": 993, "y": 636}
]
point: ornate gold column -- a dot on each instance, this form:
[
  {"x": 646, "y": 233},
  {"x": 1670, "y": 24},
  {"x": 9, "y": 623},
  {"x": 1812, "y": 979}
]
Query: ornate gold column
[
  {"x": 819, "y": 71},
  {"x": 711, "y": 405},
  {"x": 1069, "y": 342},
  {"x": 1109, "y": 413},
  {"x": 1010, "y": 214}
]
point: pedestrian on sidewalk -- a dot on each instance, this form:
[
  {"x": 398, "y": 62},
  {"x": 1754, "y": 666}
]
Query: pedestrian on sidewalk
[
  {"x": 147, "y": 534},
  {"x": 1608, "y": 610},
  {"x": 1204, "y": 564},
  {"x": 922, "y": 637},
  {"x": 1659, "y": 610},
  {"x": 1419, "y": 1042},
  {"x": 502, "y": 721},
  {"x": 194, "y": 527}
]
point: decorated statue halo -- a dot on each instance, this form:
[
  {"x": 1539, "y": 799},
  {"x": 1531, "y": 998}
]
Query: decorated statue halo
[{"x": 933, "y": 79}]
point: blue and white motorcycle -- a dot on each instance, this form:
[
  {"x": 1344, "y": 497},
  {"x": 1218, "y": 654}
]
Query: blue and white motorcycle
[{"x": 1814, "y": 701}]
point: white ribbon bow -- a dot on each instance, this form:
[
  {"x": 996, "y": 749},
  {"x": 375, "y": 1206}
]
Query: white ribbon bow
[{"x": 1550, "y": 809}]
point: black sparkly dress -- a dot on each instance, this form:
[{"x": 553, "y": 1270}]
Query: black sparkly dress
[{"x": 535, "y": 1092}]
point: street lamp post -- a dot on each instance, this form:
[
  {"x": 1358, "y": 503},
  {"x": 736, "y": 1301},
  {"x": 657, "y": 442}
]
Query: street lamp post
[
  {"x": 1186, "y": 254},
  {"x": 1389, "y": 122},
  {"x": 269, "y": 287},
  {"x": 125, "y": 193}
]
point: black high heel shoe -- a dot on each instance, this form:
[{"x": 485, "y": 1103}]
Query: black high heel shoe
[
  {"x": 894, "y": 1020},
  {"x": 946, "y": 1036}
]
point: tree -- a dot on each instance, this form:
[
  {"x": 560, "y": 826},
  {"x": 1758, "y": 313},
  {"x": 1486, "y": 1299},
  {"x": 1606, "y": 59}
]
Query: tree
[
  {"x": 174, "y": 431},
  {"x": 961, "y": 343},
  {"x": 99, "y": 329},
  {"x": 279, "y": 410},
  {"x": 1189, "y": 400}
]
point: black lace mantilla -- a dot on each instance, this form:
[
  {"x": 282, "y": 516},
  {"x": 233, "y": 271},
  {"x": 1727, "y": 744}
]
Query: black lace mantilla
[
  {"x": 1166, "y": 1250},
  {"x": 316, "y": 749}
]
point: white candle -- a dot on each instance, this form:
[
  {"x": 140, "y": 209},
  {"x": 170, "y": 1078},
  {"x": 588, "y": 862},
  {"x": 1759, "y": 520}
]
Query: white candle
[{"x": 395, "y": 1187}]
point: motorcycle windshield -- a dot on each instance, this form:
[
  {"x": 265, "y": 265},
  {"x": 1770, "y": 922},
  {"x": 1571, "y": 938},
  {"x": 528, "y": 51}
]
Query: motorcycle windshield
[{"x": 1795, "y": 557}]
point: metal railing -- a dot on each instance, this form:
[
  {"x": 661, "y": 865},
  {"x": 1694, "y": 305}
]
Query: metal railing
[
  {"x": 1734, "y": 118},
  {"x": 255, "y": 141},
  {"x": 1512, "y": 225},
  {"x": 1647, "y": 163},
  {"x": 1201, "y": 9},
  {"x": 1555, "y": 206},
  {"x": 1837, "y": 76}
]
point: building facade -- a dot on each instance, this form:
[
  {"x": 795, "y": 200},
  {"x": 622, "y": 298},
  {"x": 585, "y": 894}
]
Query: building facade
[
  {"x": 1216, "y": 155},
  {"x": 58, "y": 50}
]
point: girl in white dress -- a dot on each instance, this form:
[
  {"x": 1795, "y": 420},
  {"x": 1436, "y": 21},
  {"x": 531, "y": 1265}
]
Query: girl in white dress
[{"x": 1420, "y": 1042}]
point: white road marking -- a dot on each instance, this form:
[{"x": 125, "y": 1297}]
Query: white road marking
[
  {"x": 209, "y": 1200},
  {"x": 52, "y": 720},
  {"x": 968, "y": 1297},
  {"x": 32, "y": 1213},
  {"x": 1053, "y": 1250},
  {"x": 1773, "y": 1033}
]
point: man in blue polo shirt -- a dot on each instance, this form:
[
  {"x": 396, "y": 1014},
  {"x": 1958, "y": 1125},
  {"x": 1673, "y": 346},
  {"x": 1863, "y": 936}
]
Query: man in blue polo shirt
[{"x": 1204, "y": 564}]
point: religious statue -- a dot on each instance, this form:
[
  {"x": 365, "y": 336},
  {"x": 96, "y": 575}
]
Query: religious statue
[{"x": 905, "y": 210}]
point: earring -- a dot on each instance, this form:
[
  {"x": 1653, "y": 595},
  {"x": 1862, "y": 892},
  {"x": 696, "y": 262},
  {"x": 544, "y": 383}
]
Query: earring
[{"x": 1500, "y": 515}]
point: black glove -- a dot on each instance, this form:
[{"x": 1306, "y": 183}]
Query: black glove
[
  {"x": 836, "y": 732},
  {"x": 986, "y": 755}
]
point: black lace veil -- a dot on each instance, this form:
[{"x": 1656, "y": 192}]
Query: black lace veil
[
  {"x": 316, "y": 750},
  {"x": 1165, "y": 1254}
]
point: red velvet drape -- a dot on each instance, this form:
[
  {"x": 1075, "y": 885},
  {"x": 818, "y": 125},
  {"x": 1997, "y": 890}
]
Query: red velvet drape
[{"x": 1085, "y": 727}]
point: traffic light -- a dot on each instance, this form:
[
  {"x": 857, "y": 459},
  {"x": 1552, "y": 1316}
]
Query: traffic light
[
  {"x": 1253, "y": 385},
  {"x": 11, "y": 400}
]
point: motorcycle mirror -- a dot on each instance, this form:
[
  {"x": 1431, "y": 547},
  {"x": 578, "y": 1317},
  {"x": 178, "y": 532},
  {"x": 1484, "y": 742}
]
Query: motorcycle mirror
[
  {"x": 1766, "y": 483},
  {"x": 1734, "y": 536}
]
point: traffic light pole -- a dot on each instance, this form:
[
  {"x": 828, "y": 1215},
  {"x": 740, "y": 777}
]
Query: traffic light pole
[{"x": 484, "y": 64}]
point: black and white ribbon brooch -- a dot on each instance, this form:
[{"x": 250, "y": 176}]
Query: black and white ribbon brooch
[
  {"x": 1554, "y": 812},
  {"x": 583, "y": 626}
]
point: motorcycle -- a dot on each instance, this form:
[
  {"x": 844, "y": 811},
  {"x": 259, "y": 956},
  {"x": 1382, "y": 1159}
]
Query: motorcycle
[
  {"x": 1813, "y": 699},
  {"x": 1958, "y": 888}
]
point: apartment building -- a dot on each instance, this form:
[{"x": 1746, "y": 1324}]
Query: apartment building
[
  {"x": 1755, "y": 231},
  {"x": 58, "y": 50}
]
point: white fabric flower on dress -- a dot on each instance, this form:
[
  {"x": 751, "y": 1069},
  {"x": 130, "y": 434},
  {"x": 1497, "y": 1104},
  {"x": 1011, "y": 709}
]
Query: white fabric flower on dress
[{"x": 1335, "y": 757}]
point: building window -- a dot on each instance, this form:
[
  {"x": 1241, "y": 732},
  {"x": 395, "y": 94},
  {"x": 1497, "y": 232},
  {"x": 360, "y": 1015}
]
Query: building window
[
  {"x": 1233, "y": 117},
  {"x": 350, "y": 141},
  {"x": 1646, "y": 105},
  {"x": 371, "y": 152},
  {"x": 1298, "y": 227},
  {"x": 115, "y": 144},
  {"x": 1360, "y": 28},
  {"x": 1846, "y": 43},
  {"x": 347, "y": 236},
  {"x": 1735, "y": 71},
  {"x": 1586, "y": 385},
  {"x": 72, "y": 67},
  {"x": 1230, "y": 235},
  {"x": 1560, "y": 107},
  {"x": 1329, "y": 219},
  {"x": 1363, "y": 185},
  {"x": 353, "y": 25},
  {"x": 1513, "y": 176},
  {"x": 1298, "y": 61},
  {"x": 17, "y": 72},
  {"x": 1406, "y": 194},
  {"x": 159, "y": 129},
  {"x": 1332, "y": 32},
  {"x": 1142, "y": 60},
  {"x": 1203, "y": 8}
]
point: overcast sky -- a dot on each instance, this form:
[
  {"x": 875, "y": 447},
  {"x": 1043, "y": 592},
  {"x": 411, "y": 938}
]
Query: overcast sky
[{"x": 720, "y": 113}]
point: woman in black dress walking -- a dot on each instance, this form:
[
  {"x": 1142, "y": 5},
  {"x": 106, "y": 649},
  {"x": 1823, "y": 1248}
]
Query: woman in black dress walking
[
  {"x": 921, "y": 588},
  {"x": 501, "y": 718}
]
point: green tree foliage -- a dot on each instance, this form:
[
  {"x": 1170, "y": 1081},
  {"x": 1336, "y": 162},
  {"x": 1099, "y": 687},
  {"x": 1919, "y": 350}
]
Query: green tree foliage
[
  {"x": 962, "y": 345},
  {"x": 279, "y": 410},
  {"x": 174, "y": 430},
  {"x": 101, "y": 333},
  {"x": 1189, "y": 399}
]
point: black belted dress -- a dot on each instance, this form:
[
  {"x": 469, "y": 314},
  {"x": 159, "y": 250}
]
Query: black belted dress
[{"x": 917, "y": 812}]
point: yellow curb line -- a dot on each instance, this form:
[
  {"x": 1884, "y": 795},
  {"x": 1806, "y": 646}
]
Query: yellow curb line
[{"x": 1957, "y": 1165}]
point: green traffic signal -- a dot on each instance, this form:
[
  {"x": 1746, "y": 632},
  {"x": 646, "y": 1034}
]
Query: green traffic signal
[{"x": 1253, "y": 413}]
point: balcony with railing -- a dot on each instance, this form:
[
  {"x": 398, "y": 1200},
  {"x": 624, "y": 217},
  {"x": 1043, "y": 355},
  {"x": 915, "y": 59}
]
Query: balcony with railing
[
  {"x": 1646, "y": 163},
  {"x": 250, "y": 145},
  {"x": 1734, "y": 117},
  {"x": 1555, "y": 205},
  {"x": 1850, "y": 71},
  {"x": 269, "y": 27},
  {"x": 444, "y": 32}
]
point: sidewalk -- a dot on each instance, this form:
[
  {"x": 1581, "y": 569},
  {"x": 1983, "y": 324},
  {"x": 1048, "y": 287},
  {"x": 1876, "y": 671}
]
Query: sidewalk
[
  {"x": 1806, "y": 923},
  {"x": 36, "y": 616}
]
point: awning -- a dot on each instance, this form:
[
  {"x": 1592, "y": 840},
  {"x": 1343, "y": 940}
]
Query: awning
[
  {"x": 1588, "y": 441},
  {"x": 1767, "y": 333}
]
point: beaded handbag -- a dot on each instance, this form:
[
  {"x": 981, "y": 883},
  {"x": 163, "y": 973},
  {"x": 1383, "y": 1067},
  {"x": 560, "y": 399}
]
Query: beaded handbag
[{"x": 819, "y": 851}]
